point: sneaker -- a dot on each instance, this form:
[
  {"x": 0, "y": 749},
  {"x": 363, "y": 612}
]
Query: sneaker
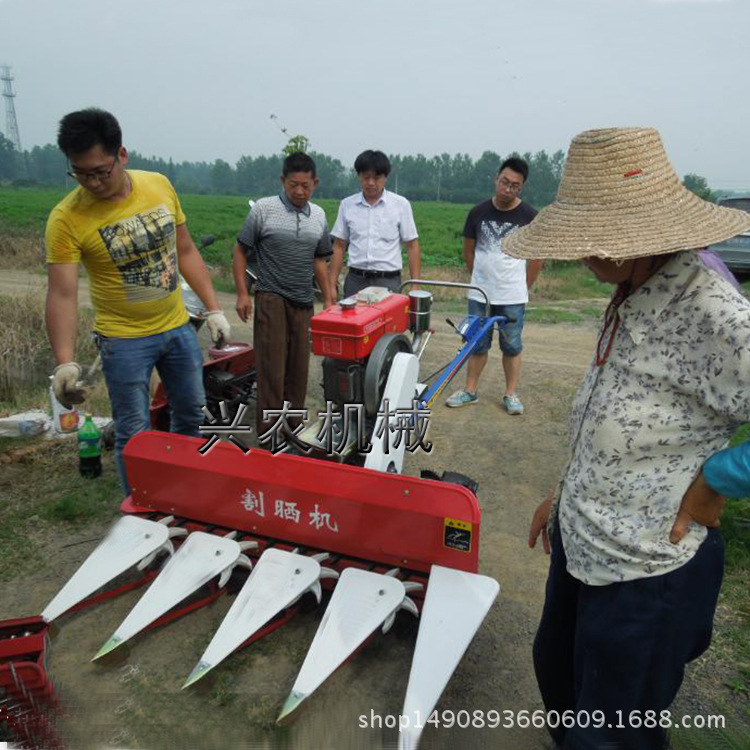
[
  {"x": 513, "y": 404},
  {"x": 461, "y": 398}
]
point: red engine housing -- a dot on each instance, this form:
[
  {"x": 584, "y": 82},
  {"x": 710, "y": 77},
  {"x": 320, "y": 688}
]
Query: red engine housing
[{"x": 351, "y": 334}]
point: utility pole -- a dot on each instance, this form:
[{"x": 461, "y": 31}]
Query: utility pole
[{"x": 11, "y": 123}]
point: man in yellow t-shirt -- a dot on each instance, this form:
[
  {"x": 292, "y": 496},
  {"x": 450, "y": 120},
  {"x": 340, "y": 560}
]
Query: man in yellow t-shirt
[{"x": 128, "y": 229}]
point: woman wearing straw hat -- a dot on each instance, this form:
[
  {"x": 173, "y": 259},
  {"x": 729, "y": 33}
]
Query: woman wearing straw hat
[{"x": 636, "y": 559}]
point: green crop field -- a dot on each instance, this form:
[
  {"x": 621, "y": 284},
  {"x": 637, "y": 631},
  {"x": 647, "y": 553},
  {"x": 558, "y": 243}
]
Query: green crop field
[
  {"x": 440, "y": 224},
  {"x": 26, "y": 209}
]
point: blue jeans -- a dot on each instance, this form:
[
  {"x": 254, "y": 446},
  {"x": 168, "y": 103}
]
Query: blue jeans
[
  {"x": 127, "y": 365},
  {"x": 509, "y": 335}
]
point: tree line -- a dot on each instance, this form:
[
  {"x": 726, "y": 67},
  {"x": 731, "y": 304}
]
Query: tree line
[{"x": 453, "y": 178}]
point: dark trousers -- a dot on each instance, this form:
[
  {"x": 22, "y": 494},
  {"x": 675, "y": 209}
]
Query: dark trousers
[
  {"x": 282, "y": 355},
  {"x": 623, "y": 647},
  {"x": 354, "y": 283}
]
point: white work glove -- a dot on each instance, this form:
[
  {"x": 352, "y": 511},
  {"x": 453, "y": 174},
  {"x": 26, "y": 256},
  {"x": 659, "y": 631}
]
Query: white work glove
[
  {"x": 67, "y": 384},
  {"x": 218, "y": 327}
]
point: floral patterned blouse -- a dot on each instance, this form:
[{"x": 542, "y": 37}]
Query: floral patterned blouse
[{"x": 674, "y": 388}]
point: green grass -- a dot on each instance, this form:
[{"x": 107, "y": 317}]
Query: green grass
[
  {"x": 440, "y": 224},
  {"x": 552, "y": 315},
  {"x": 223, "y": 281},
  {"x": 735, "y": 528},
  {"x": 27, "y": 209},
  {"x": 734, "y": 639},
  {"x": 84, "y": 501},
  {"x": 535, "y": 313},
  {"x": 9, "y": 443},
  {"x": 46, "y": 486},
  {"x": 729, "y": 738},
  {"x": 566, "y": 280},
  {"x": 741, "y": 436},
  {"x": 219, "y": 215}
]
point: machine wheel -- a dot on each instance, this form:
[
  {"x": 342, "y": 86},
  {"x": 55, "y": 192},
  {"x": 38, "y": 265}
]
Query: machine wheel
[{"x": 379, "y": 366}]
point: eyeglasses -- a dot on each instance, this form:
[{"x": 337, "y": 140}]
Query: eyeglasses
[
  {"x": 94, "y": 174},
  {"x": 514, "y": 187}
]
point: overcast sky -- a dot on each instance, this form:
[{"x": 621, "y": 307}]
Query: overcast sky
[{"x": 199, "y": 79}]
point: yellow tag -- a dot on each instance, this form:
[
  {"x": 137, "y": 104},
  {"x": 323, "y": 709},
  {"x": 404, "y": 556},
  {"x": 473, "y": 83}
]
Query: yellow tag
[{"x": 457, "y": 534}]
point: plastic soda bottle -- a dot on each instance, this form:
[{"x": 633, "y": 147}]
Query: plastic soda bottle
[{"x": 89, "y": 449}]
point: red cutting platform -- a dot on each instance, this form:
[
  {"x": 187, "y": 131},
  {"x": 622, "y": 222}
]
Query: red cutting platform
[{"x": 389, "y": 519}]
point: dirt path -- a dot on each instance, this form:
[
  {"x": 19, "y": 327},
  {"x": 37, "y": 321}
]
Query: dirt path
[{"x": 138, "y": 703}]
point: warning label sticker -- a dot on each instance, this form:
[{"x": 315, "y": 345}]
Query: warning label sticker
[{"x": 457, "y": 534}]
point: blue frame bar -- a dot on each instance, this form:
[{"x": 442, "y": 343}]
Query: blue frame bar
[{"x": 475, "y": 331}]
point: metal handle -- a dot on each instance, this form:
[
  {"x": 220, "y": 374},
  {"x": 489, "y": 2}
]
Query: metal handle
[
  {"x": 454, "y": 284},
  {"x": 88, "y": 378}
]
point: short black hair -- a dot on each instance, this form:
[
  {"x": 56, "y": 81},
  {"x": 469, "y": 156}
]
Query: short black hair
[
  {"x": 517, "y": 165},
  {"x": 372, "y": 161},
  {"x": 298, "y": 161},
  {"x": 82, "y": 130}
]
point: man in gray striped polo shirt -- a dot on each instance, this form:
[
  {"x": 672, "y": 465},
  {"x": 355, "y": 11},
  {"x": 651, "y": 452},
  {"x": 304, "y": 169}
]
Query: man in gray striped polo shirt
[{"x": 290, "y": 236}]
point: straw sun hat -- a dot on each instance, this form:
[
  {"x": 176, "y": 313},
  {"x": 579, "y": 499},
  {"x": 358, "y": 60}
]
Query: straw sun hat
[{"x": 620, "y": 198}]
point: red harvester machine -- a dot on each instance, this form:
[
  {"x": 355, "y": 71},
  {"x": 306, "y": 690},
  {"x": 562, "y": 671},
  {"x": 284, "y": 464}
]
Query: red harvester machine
[{"x": 378, "y": 540}]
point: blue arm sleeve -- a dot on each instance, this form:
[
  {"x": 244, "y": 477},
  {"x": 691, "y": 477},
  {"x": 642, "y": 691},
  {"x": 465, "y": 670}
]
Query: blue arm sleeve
[{"x": 728, "y": 472}]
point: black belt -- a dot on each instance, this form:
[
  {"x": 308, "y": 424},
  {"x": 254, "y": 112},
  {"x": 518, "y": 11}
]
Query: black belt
[{"x": 374, "y": 274}]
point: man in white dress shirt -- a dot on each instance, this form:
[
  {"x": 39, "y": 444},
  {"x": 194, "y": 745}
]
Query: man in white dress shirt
[{"x": 372, "y": 226}]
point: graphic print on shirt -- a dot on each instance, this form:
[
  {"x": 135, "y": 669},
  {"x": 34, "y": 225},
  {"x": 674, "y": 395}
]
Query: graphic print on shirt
[
  {"x": 143, "y": 248},
  {"x": 491, "y": 235}
]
